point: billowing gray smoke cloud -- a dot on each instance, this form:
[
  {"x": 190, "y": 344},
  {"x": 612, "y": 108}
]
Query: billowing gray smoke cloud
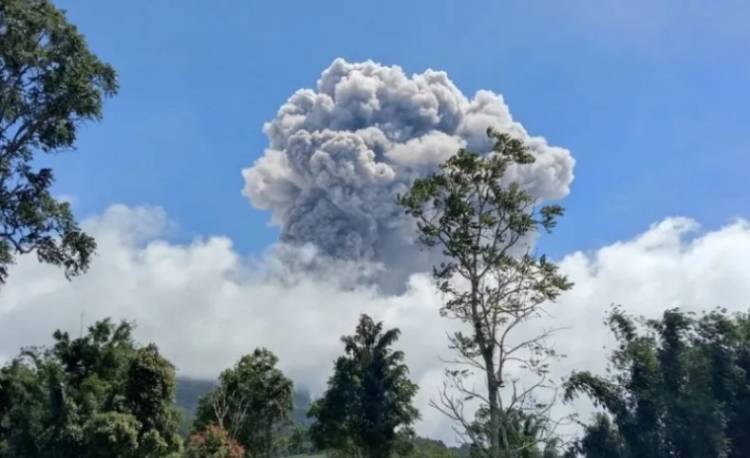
[{"x": 338, "y": 155}]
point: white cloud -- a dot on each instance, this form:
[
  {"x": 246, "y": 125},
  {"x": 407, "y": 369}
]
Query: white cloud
[{"x": 204, "y": 305}]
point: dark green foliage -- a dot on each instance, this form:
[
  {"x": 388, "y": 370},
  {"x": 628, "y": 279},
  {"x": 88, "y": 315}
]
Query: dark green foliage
[
  {"x": 49, "y": 84},
  {"x": 601, "y": 440},
  {"x": 367, "y": 410},
  {"x": 526, "y": 435},
  {"x": 252, "y": 403},
  {"x": 679, "y": 387},
  {"x": 88, "y": 397},
  {"x": 149, "y": 397},
  {"x": 111, "y": 434},
  {"x": 483, "y": 224}
]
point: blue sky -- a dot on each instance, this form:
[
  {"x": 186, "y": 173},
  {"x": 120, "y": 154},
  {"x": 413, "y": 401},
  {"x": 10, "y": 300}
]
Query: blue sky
[{"x": 651, "y": 97}]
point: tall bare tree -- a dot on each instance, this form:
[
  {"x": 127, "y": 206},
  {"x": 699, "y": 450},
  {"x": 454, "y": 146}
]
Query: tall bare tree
[{"x": 485, "y": 225}]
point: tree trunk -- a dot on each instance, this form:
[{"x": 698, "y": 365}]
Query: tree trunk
[
  {"x": 492, "y": 395},
  {"x": 269, "y": 440}
]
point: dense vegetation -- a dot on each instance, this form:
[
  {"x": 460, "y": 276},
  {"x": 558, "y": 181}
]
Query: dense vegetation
[
  {"x": 678, "y": 386},
  {"x": 97, "y": 395}
]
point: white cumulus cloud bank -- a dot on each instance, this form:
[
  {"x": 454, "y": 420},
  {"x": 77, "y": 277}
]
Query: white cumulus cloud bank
[
  {"x": 340, "y": 153},
  {"x": 205, "y": 305}
]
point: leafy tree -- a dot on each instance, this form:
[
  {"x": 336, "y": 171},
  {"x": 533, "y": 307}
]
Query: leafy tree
[
  {"x": 252, "y": 403},
  {"x": 600, "y": 440},
  {"x": 95, "y": 396},
  {"x": 149, "y": 397},
  {"x": 679, "y": 387},
  {"x": 483, "y": 224},
  {"x": 529, "y": 435},
  {"x": 213, "y": 442},
  {"x": 111, "y": 434},
  {"x": 50, "y": 83},
  {"x": 366, "y": 411}
]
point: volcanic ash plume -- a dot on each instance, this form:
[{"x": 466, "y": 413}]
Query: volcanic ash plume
[{"x": 339, "y": 154}]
